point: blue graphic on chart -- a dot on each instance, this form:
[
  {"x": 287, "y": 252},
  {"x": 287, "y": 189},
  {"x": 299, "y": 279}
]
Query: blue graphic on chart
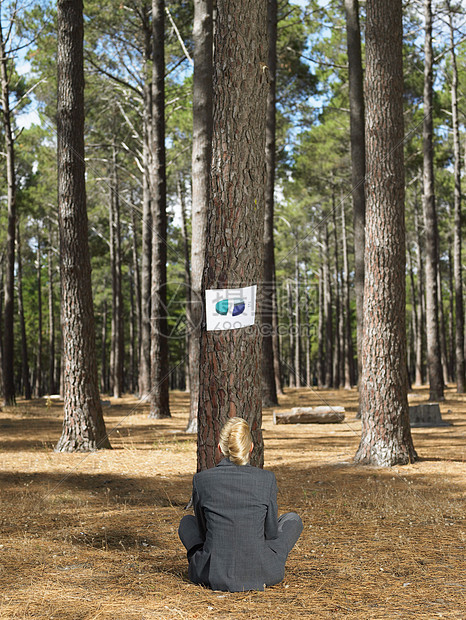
[{"x": 230, "y": 308}]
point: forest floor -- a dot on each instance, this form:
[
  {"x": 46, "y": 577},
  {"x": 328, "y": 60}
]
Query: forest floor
[{"x": 87, "y": 536}]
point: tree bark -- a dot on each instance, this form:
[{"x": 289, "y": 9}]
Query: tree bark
[
  {"x": 434, "y": 364},
  {"x": 137, "y": 300},
  {"x": 159, "y": 394},
  {"x": 38, "y": 384},
  {"x": 22, "y": 322},
  {"x": 144, "y": 379},
  {"x": 291, "y": 337},
  {"x": 230, "y": 383},
  {"x": 328, "y": 381},
  {"x": 276, "y": 339},
  {"x": 349, "y": 353},
  {"x": 83, "y": 426},
  {"x": 420, "y": 306},
  {"x": 457, "y": 264},
  {"x": 8, "y": 304},
  {"x": 297, "y": 320},
  {"x": 358, "y": 158},
  {"x": 201, "y": 160},
  {"x": 117, "y": 336},
  {"x": 51, "y": 382},
  {"x": 386, "y": 435},
  {"x": 269, "y": 388}
]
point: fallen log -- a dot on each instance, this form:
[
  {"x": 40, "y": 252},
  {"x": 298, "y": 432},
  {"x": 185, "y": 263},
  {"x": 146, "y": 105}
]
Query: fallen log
[{"x": 310, "y": 415}]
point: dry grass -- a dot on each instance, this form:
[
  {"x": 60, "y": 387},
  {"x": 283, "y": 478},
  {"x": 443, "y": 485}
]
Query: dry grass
[{"x": 95, "y": 536}]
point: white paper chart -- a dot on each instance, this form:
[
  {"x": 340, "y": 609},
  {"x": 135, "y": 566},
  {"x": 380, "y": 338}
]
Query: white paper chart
[{"x": 230, "y": 308}]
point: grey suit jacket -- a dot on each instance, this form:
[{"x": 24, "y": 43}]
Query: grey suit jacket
[{"x": 236, "y": 511}]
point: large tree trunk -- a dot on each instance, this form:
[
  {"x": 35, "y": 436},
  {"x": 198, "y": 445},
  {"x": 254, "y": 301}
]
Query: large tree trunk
[
  {"x": 159, "y": 395},
  {"x": 358, "y": 158},
  {"x": 201, "y": 160},
  {"x": 459, "y": 303},
  {"x": 269, "y": 388},
  {"x": 8, "y": 304},
  {"x": 386, "y": 435},
  {"x": 144, "y": 379},
  {"x": 434, "y": 364},
  {"x": 22, "y": 323},
  {"x": 83, "y": 426},
  {"x": 230, "y": 383}
]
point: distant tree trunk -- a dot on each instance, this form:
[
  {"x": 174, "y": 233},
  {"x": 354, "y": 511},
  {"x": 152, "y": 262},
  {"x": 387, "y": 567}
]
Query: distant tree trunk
[
  {"x": 8, "y": 304},
  {"x": 103, "y": 351},
  {"x": 144, "y": 379},
  {"x": 276, "y": 339},
  {"x": 159, "y": 395},
  {"x": 338, "y": 317},
  {"x": 442, "y": 329},
  {"x": 269, "y": 388},
  {"x": 349, "y": 353},
  {"x": 138, "y": 302},
  {"x": 358, "y": 158},
  {"x": 386, "y": 435},
  {"x": 117, "y": 336},
  {"x": 297, "y": 321},
  {"x": 52, "y": 384},
  {"x": 83, "y": 426},
  {"x": 419, "y": 377},
  {"x": 38, "y": 385},
  {"x": 328, "y": 382},
  {"x": 434, "y": 364},
  {"x": 451, "y": 317},
  {"x": 307, "y": 338},
  {"x": 22, "y": 322},
  {"x": 201, "y": 160},
  {"x": 321, "y": 325},
  {"x": 187, "y": 272},
  {"x": 291, "y": 338},
  {"x": 230, "y": 378},
  {"x": 414, "y": 317},
  {"x": 459, "y": 303}
]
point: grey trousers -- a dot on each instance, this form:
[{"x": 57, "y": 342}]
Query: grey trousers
[{"x": 290, "y": 527}]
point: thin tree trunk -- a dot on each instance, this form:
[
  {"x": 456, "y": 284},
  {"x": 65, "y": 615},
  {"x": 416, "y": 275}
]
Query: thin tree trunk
[
  {"x": 420, "y": 322},
  {"x": 307, "y": 338},
  {"x": 328, "y": 382},
  {"x": 269, "y": 389},
  {"x": 297, "y": 315},
  {"x": 349, "y": 353},
  {"x": 38, "y": 384},
  {"x": 201, "y": 160},
  {"x": 459, "y": 303},
  {"x": 291, "y": 333},
  {"x": 338, "y": 318},
  {"x": 83, "y": 425},
  {"x": 230, "y": 383},
  {"x": 159, "y": 395},
  {"x": 144, "y": 378},
  {"x": 103, "y": 351},
  {"x": 187, "y": 272},
  {"x": 434, "y": 363},
  {"x": 451, "y": 319},
  {"x": 321, "y": 325},
  {"x": 276, "y": 339},
  {"x": 117, "y": 335},
  {"x": 138, "y": 301},
  {"x": 442, "y": 329},
  {"x": 8, "y": 304},
  {"x": 358, "y": 158},
  {"x": 385, "y": 435},
  {"x": 22, "y": 322},
  {"x": 52, "y": 384}
]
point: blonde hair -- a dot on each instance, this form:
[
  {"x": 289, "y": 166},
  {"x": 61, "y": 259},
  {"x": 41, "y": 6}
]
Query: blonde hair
[{"x": 236, "y": 441}]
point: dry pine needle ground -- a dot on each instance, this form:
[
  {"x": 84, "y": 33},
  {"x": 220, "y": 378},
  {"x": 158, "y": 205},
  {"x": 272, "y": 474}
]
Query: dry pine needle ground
[{"x": 87, "y": 536}]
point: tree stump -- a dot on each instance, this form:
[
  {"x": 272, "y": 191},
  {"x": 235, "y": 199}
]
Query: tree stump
[
  {"x": 427, "y": 414},
  {"x": 310, "y": 415}
]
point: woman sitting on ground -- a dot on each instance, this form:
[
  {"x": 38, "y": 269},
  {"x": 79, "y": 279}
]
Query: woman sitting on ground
[{"x": 235, "y": 541}]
